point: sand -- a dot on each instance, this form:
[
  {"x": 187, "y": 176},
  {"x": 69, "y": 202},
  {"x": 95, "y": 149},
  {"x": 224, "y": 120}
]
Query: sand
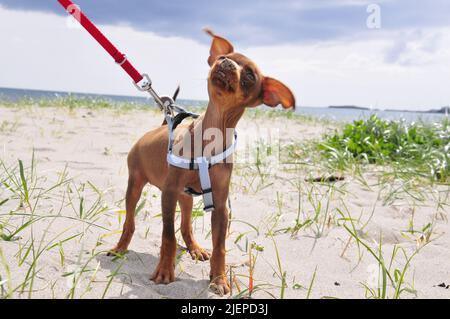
[{"x": 321, "y": 260}]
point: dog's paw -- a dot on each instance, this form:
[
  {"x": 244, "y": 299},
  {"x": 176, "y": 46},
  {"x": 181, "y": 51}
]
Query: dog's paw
[
  {"x": 220, "y": 286},
  {"x": 163, "y": 275},
  {"x": 198, "y": 253}
]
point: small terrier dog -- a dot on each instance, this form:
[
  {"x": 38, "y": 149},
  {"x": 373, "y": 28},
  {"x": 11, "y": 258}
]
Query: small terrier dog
[{"x": 234, "y": 83}]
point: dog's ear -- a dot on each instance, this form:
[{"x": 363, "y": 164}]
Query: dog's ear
[
  {"x": 275, "y": 93},
  {"x": 219, "y": 46}
]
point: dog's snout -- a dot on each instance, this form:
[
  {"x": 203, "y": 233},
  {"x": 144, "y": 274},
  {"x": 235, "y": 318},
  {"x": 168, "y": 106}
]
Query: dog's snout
[
  {"x": 224, "y": 75},
  {"x": 227, "y": 64}
]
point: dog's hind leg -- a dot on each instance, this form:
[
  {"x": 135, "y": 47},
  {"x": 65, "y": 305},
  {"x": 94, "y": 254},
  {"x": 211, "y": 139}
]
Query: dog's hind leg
[
  {"x": 135, "y": 185},
  {"x": 196, "y": 252}
]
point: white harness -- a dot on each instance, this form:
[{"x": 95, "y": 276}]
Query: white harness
[{"x": 202, "y": 164}]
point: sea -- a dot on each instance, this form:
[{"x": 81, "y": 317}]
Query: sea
[{"x": 335, "y": 114}]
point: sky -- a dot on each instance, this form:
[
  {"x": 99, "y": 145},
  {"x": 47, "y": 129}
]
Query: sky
[{"x": 385, "y": 54}]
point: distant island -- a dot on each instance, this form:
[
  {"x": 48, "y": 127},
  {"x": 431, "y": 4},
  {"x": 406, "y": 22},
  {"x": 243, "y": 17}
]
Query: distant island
[{"x": 443, "y": 110}]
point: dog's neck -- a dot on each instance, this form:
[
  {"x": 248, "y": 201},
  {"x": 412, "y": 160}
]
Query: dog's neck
[
  {"x": 216, "y": 120},
  {"x": 217, "y": 117}
]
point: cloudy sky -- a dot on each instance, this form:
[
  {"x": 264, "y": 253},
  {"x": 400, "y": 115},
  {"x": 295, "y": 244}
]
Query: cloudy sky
[{"x": 323, "y": 49}]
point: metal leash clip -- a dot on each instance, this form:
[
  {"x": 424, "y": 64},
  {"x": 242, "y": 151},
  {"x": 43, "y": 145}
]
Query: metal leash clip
[{"x": 145, "y": 85}]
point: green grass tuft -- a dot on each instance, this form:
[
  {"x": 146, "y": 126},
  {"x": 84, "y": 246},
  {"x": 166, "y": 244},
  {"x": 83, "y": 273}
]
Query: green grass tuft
[{"x": 422, "y": 147}]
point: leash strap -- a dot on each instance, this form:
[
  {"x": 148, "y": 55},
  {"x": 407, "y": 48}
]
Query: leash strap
[
  {"x": 166, "y": 104},
  {"x": 141, "y": 81},
  {"x": 118, "y": 56}
]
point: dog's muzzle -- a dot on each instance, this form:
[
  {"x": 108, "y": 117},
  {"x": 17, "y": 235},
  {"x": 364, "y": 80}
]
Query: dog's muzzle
[{"x": 224, "y": 75}]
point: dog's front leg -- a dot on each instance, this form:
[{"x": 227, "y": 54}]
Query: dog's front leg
[
  {"x": 165, "y": 271},
  {"x": 220, "y": 181},
  {"x": 219, "y": 224}
]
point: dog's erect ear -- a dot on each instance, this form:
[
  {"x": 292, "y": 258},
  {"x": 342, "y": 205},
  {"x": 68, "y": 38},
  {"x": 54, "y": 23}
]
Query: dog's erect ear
[
  {"x": 219, "y": 46},
  {"x": 275, "y": 92}
]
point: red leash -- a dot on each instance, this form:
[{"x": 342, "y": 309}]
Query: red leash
[
  {"x": 141, "y": 81},
  {"x": 119, "y": 57},
  {"x": 166, "y": 104}
]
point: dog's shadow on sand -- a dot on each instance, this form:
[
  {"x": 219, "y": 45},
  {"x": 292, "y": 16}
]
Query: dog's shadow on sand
[{"x": 134, "y": 271}]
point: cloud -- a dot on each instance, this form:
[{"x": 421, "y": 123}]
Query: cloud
[
  {"x": 259, "y": 22},
  {"x": 385, "y": 68},
  {"x": 414, "y": 48},
  {"x": 41, "y": 52}
]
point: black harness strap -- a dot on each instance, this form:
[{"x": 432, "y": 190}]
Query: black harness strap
[
  {"x": 179, "y": 118},
  {"x": 192, "y": 192}
]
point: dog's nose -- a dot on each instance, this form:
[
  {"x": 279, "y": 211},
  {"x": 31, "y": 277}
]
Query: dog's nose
[{"x": 227, "y": 64}]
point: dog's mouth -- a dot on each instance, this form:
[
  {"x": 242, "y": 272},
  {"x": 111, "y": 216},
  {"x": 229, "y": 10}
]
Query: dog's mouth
[{"x": 224, "y": 76}]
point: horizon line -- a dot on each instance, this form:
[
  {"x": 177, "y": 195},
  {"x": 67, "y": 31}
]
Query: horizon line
[{"x": 343, "y": 106}]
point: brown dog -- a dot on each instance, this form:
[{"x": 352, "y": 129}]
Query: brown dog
[{"x": 234, "y": 83}]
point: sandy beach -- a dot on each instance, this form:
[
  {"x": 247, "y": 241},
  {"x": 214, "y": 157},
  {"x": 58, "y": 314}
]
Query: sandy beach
[{"x": 289, "y": 237}]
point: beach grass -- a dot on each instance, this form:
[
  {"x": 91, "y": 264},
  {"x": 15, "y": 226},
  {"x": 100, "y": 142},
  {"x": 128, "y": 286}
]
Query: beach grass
[
  {"x": 419, "y": 149},
  {"x": 402, "y": 164},
  {"x": 76, "y": 102}
]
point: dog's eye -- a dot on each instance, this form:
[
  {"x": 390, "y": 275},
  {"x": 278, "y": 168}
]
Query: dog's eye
[
  {"x": 250, "y": 75},
  {"x": 248, "y": 78}
]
